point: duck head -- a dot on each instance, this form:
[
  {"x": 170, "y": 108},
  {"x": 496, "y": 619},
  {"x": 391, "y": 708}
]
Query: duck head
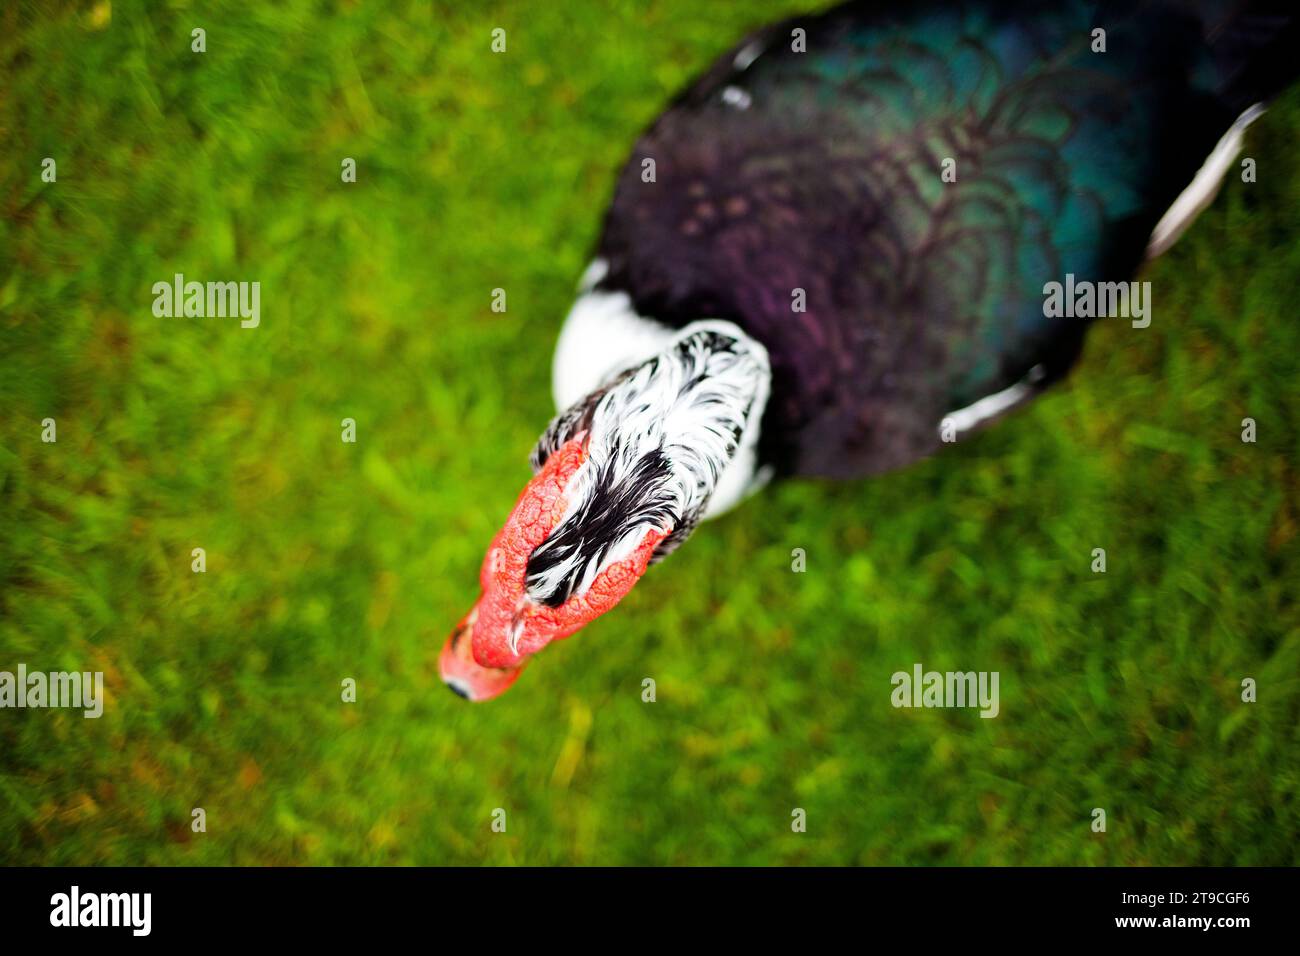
[{"x": 620, "y": 479}]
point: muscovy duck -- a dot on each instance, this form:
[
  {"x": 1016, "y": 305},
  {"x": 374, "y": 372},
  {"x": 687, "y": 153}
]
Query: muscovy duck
[{"x": 836, "y": 244}]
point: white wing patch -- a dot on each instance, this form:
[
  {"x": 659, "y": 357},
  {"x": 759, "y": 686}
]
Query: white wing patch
[
  {"x": 747, "y": 55},
  {"x": 991, "y": 406},
  {"x": 735, "y": 96},
  {"x": 1204, "y": 185}
]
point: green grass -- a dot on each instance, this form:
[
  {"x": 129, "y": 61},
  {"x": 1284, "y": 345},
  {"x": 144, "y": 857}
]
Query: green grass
[{"x": 328, "y": 560}]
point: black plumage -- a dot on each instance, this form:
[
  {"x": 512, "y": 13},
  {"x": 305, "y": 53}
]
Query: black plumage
[{"x": 821, "y": 171}]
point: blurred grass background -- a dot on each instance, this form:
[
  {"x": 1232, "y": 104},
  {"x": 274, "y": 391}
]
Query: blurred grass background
[{"x": 328, "y": 560}]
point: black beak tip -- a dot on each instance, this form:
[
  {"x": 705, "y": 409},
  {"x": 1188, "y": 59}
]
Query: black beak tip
[{"x": 458, "y": 689}]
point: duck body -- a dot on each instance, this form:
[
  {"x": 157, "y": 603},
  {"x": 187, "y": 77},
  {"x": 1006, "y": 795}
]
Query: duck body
[
  {"x": 838, "y": 245},
  {"x": 880, "y": 194}
]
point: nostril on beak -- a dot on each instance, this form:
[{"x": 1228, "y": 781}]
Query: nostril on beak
[{"x": 457, "y": 688}]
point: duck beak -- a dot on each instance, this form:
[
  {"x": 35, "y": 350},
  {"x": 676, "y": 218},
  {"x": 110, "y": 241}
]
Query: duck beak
[
  {"x": 465, "y": 676},
  {"x": 501, "y": 580},
  {"x": 488, "y": 649}
]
